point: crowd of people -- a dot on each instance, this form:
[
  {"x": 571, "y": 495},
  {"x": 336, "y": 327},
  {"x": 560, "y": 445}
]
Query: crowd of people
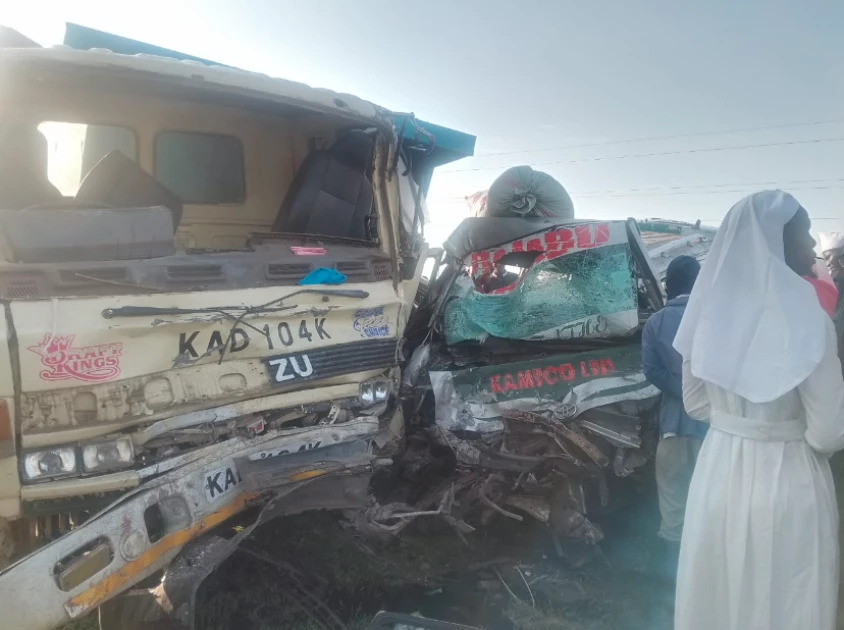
[{"x": 746, "y": 355}]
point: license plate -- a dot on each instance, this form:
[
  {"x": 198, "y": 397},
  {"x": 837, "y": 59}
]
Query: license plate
[
  {"x": 290, "y": 368},
  {"x": 220, "y": 482},
  {"x": 294, "y": 447},
  {"x": 197, "y": 343}
]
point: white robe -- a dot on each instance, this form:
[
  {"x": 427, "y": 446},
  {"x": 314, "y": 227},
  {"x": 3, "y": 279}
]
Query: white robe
[{"x": 760, "y": 543}]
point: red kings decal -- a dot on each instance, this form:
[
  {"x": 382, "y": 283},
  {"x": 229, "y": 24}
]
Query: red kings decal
[
  {"x": 550, "y": 376},
  {"x": 552, "y": 244},
  {"x": 63, "y": 361}
]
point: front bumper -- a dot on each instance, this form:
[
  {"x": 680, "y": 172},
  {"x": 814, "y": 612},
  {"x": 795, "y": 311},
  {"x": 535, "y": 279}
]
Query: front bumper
[{"x": 146, "y": 528}]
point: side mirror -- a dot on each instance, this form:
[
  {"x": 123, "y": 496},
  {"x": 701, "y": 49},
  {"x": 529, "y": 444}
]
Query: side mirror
[
  {"x": 410, "y": 261},
  {"x": 371, "y": 226}
]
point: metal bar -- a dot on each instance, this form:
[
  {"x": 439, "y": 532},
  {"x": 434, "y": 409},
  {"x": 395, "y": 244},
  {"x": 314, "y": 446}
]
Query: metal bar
[{"x": 29, "y": 594}]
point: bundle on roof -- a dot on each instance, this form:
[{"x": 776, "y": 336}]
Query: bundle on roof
[{"x": 523, "y": 192}]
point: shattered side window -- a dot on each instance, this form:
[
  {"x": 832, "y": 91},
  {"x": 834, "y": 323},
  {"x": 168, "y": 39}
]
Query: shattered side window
[{"x": 585, "y": 294}]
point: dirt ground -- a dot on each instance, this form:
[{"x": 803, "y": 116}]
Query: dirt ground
[{"x": 510, "y": 576}]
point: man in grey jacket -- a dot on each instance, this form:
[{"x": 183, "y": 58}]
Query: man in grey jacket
[{"x": 680, "y": 436}]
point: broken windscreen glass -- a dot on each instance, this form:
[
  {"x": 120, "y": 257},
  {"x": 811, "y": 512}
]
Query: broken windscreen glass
[{"x": 585, "y": 294}]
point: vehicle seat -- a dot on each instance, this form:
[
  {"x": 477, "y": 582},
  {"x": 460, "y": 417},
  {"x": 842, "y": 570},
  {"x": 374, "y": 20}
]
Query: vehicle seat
[
  {"x": 332, "y": 191},
  {"x": 119, "y": 182},
  {"x": 23, "y": 169}
]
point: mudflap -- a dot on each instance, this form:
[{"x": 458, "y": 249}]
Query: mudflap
[{"x": 171, "y": 605}]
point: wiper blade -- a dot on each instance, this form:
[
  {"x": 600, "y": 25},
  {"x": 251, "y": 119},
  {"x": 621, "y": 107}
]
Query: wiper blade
[
  {"x": 269, "y": 307},
  {"x": 142, "y": 311},
  {"x": 235, "y": 313}
]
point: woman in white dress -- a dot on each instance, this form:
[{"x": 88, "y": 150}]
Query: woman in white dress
[{"x": 760, "y": 363}]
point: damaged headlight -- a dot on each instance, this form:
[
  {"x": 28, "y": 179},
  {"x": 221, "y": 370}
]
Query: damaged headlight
[
  {"x": 375, "y": 392},
  {"x": 55, "y": 462},
  {"x": 103, "y": 456}
]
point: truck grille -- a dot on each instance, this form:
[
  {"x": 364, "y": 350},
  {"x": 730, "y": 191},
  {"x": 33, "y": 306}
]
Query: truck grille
[
  {"x": 359, "y": 356},
  {"x": 195, "y": 273},
  {"x": 287, "y": 271}
]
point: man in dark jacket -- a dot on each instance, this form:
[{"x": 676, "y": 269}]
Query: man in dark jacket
[{"x": 680, "y": 436}]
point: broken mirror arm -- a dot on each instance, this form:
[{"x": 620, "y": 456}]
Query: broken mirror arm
[{"x": 412, "y": 240}]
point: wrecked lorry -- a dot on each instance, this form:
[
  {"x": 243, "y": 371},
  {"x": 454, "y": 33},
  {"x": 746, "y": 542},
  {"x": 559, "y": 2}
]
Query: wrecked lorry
[
  {"x": 205, "y": 274},
  {"x": 534, "y": 383}
]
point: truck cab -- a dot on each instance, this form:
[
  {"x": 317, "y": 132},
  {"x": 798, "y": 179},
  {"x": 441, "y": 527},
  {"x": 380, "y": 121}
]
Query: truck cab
[{"x": 205, "y": 275}]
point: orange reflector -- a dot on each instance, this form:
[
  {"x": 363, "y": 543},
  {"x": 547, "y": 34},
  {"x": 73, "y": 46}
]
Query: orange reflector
[
  {"x": 309, "y": 474},
  {"x": 85, "y": 565}
]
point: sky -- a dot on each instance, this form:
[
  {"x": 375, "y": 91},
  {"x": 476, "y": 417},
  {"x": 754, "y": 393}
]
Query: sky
[{"x": 659, "y": 91}]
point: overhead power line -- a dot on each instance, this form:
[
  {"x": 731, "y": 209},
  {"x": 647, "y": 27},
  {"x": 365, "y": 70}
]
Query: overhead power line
[
  {"x": 743, "y": 191},
  {"x": 690, "y": 189},
  {"x": 738, "y": 189},
  {"x": 660, "y": 138},
  {"x": 730, "y": 185},
  {"x": 654, "y": 154},
  {"x": 719, "y": 219}
]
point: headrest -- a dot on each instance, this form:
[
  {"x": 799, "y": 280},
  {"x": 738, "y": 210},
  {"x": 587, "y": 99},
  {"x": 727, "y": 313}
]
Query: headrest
[{"x": 354, "y": 149}]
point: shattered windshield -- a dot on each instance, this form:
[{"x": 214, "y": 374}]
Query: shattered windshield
[{"x": 586, "y": 294}]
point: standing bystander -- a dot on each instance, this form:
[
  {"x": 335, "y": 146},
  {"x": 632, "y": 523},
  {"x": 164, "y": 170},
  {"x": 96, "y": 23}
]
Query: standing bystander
[
  {"x": 680, "y": 436},
  {"x": 832, "y": 249},
  {"x": 760, "y": 537}
]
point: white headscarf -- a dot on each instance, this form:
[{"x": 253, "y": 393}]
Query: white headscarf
[
  {"x": 830, "y": 240},
  {"x": 752, "y": 325}
]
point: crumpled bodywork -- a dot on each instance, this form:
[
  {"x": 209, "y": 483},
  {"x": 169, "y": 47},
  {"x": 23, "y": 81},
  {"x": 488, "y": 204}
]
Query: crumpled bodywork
[
  {"x": 146, "y": 529},
  {"x": 576, "y": 283},
  {"x": 563, "y": 385},
  {"x": 542, "y": 402},
  {"x": 665, "y": 240}
]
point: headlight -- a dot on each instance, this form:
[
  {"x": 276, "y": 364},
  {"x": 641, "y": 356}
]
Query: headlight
[
  {"x": 56, "y": 462},
  {"x": 374, "y": 393},
  {"x": 103, "y": 456}
]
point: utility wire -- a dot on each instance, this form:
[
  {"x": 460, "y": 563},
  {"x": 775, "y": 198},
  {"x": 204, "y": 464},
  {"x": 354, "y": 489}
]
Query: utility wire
[
  {"x": 692, "y": 189},
  {"x": 658, "y": 138},
  {"x": 813, "y": 219},
  {"x": 699, "y": 186},
  {"x": 654, "y": 154},
  {"x": 699, "y": 192},
  {"x": 744, "y": 191}
]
